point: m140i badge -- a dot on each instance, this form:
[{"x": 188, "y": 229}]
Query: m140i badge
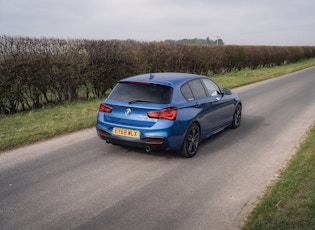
[{"x": 128, "y": 111}]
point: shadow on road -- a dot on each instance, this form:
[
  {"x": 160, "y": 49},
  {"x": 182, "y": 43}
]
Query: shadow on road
[{"x": 215, "y": 143}]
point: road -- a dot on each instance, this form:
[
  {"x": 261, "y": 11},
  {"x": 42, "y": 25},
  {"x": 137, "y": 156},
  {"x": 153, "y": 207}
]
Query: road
[{"x": 77, "y": 181}]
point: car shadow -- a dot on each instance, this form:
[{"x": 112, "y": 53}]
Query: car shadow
[
  {"x": 217, "y": 142},
  {"x": 153, "y": 152},
  {"x": 229, "y": 136}
]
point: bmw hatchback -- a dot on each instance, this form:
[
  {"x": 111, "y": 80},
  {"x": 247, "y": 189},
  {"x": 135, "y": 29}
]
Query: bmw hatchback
[{"x": 167, "y": 111}]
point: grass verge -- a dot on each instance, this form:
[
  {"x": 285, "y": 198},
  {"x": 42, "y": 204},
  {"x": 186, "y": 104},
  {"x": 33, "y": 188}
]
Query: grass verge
[
  {"x": 248, "y": 76},
  {"x": 290, "y": 204},
  {"x": 36, "y": 125},
  {"x": 28, "y": 127}
]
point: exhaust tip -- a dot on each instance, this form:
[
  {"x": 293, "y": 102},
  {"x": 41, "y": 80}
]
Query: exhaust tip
[
  {"x": 107, "y": 141},
  {"x": 148, "y": 149}
]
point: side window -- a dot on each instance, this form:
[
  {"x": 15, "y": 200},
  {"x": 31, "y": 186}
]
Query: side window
[
  {"x": 212, "y": 88},
  {"x": 186, "y": 91},
  {"x": 197, "y": 89}
]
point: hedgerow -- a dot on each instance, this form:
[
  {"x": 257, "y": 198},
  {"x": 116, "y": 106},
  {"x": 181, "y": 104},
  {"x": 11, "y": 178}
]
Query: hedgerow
[{"x": 39, "y": 71}]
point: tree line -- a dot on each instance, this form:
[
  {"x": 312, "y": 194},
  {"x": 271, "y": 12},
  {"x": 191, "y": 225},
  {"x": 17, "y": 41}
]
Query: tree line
[
  {"x": 39, "y": 71},
  {"x": 198, "y": 41}
]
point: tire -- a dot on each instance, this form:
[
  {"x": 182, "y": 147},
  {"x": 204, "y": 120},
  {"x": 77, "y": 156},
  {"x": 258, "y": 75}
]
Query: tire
[
  {"x": 237, "y": 116},
  {"x": 191, "y": 141}
]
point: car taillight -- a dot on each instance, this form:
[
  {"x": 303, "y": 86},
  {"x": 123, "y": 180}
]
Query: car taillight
[
  {"x": 167, "y": 113},
  {"x": 105, "y": 108}
]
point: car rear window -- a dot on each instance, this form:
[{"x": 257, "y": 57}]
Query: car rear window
[{"x": 142, "y": 92}]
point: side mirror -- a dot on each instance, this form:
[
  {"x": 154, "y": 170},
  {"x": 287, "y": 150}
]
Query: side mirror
[{"x": 227, "y": 91}]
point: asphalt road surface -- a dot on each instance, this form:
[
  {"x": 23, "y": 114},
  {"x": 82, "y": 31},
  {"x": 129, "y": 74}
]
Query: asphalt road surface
[{"x": 78, "y": 181}]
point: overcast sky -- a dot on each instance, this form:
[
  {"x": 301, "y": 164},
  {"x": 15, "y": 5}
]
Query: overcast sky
[{"x": 240, "y": 22}]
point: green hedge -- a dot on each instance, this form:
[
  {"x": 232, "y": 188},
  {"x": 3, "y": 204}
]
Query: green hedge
[{"x": 35, "y": 72}]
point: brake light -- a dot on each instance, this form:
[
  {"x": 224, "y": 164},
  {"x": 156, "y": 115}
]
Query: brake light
[
  {"x": 105, "y": 108},
  {"x": 140, "y": 83},
  {"x": 167, "y": 113}
]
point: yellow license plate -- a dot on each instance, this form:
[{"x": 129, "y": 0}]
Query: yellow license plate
[{"x": 126, "y": 132}]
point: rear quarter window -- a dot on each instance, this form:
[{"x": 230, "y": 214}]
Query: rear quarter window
[
  {"x": 186, "y": 91},
  {"x": 140, "y": 92}
]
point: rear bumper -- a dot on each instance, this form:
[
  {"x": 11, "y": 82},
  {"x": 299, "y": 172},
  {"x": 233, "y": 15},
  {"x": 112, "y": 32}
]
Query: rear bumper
[{"x": 147, "y": 143}]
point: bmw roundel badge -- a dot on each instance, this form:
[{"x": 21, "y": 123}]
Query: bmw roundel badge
[{"x": 128, "y": 111}]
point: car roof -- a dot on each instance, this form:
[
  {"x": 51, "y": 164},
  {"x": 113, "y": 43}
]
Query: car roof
[{"x": 169, "y": 79}]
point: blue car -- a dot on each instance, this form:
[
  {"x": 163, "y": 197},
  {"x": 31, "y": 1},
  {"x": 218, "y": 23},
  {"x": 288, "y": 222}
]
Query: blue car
[{"x": 168, "y": 111}]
